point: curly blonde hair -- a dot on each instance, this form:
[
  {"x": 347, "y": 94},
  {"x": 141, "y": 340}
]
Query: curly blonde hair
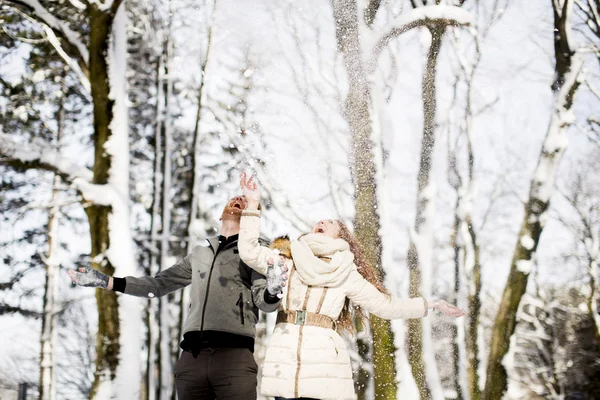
[{"x": 367, "y": 271}]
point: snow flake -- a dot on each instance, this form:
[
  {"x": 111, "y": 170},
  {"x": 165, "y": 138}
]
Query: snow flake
[
  {"x": 38, "y": 76},
  {"x": 527, "y": 242},
  {"x": 567, "y": 117},
  {"x": 21, "y": 113},
  {"x": 524, "y": 266}
]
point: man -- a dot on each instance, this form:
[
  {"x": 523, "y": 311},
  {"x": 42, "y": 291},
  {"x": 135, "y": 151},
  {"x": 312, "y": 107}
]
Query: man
[{"x": 218, "y": 340}]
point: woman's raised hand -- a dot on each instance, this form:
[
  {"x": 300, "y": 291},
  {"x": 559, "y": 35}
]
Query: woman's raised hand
[{"x": 251, "y": 190}]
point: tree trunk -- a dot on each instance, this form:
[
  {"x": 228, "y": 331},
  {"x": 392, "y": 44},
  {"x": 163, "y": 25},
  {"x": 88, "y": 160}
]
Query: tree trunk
[
  {"x": 107, "y": 341},
  {"x": 116, "y": 367},
  {"x": 567, "y": 68},
  {"x": 47, "y": 386},
  {"x": 474, "y": 311},
  {"x": 165, "y": 322},
  {"x": 594, "y": 296},
  {"x": 363, "y": 347},
  {"x": 457, "y": 325},
  {"x": 466, "y": 261},
  {"x": 50, "y": 316},
  {"x": 152, "y": 365},
  {"x": 471, "y": 257},
  {"x": 419, "y": 254},
  {"x": 366, "y": 222}
]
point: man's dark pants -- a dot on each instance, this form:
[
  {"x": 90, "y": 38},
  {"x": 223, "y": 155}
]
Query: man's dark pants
[{"x": 217, "y": 373}]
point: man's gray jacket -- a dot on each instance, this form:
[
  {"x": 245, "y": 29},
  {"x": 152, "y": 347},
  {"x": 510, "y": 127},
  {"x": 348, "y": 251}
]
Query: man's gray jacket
[{"x": 225, "y": 295}]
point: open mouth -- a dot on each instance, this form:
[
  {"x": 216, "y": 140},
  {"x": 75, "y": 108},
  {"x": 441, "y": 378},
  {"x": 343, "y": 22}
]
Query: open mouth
[
  {"x": 236, "y": 205},
  {"x": 320, "y": 230}
]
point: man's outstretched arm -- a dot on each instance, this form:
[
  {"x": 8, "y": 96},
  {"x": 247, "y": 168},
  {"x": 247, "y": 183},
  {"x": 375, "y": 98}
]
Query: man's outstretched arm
[{"x": 167, "y": 281}]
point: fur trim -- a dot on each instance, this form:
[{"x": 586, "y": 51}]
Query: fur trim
[{"x": 282, "y": 243}]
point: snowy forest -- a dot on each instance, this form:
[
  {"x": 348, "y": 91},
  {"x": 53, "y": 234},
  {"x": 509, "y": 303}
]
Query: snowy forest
[{"x": 460, "y": 139}]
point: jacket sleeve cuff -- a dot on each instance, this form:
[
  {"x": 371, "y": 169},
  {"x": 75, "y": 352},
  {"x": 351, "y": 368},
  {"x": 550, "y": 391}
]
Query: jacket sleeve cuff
[
  {"x": 119, "y": 284},
  {"x": 270, "y": 298},
  {"x": 251, "y": 213}
]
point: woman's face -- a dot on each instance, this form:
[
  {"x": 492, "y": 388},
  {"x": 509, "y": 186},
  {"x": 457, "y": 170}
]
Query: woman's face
[{"x": 327, "y": 227}]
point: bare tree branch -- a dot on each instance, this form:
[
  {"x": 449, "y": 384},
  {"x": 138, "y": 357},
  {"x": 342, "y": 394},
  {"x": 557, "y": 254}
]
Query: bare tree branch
[
  {"x": 7, "y": 309},
  {"x": 421, "y": 16},
  {"x": 371, "y": 11},
  {"x": 36, "y": 156}
]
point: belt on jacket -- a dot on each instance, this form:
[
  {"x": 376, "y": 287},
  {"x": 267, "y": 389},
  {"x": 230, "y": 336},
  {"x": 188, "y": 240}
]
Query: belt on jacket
[{"x": 298, "y": 317}]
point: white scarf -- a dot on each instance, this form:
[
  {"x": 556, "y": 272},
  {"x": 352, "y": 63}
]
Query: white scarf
[{"x": 315, "y": 272}]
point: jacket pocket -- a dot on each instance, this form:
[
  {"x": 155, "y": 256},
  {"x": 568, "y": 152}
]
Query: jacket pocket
[{"x": 240, "y": 304}]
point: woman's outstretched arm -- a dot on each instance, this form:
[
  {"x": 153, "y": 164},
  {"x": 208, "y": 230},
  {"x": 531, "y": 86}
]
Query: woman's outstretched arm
[{"x": 364, "y": 294}]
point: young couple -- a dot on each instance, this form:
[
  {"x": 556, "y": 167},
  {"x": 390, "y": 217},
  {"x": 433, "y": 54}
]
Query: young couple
[{"x": 313, "y": 282}]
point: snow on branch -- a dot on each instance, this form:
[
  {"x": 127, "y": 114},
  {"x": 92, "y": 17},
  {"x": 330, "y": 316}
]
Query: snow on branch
[
  {"x": 38, "y": 156},
  {"x": 75, "y": 66},
  {"x": 75, "y": 47},
  {"x": 421, "y": 16}
]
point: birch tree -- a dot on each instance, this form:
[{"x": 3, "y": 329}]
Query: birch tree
[
  {"x": 49, "y": 329},
  {"x": 568, "y": 64}
]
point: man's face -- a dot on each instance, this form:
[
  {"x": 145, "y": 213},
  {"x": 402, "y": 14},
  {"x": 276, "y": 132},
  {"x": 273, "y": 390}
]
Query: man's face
[{"x": 234, "y": 207}]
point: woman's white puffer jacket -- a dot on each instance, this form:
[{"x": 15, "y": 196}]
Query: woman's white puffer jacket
[{"x": 310, "y": 361}]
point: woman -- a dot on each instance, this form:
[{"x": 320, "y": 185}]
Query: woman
[{"x": 306, "y": 357}]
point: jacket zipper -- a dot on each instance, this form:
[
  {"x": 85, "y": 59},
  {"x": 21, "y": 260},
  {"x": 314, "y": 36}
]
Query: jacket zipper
[
  {"x": 209, "y": 279},
  {"x": 208, "y": 288},
  {"x": 240, "y": 303}
]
